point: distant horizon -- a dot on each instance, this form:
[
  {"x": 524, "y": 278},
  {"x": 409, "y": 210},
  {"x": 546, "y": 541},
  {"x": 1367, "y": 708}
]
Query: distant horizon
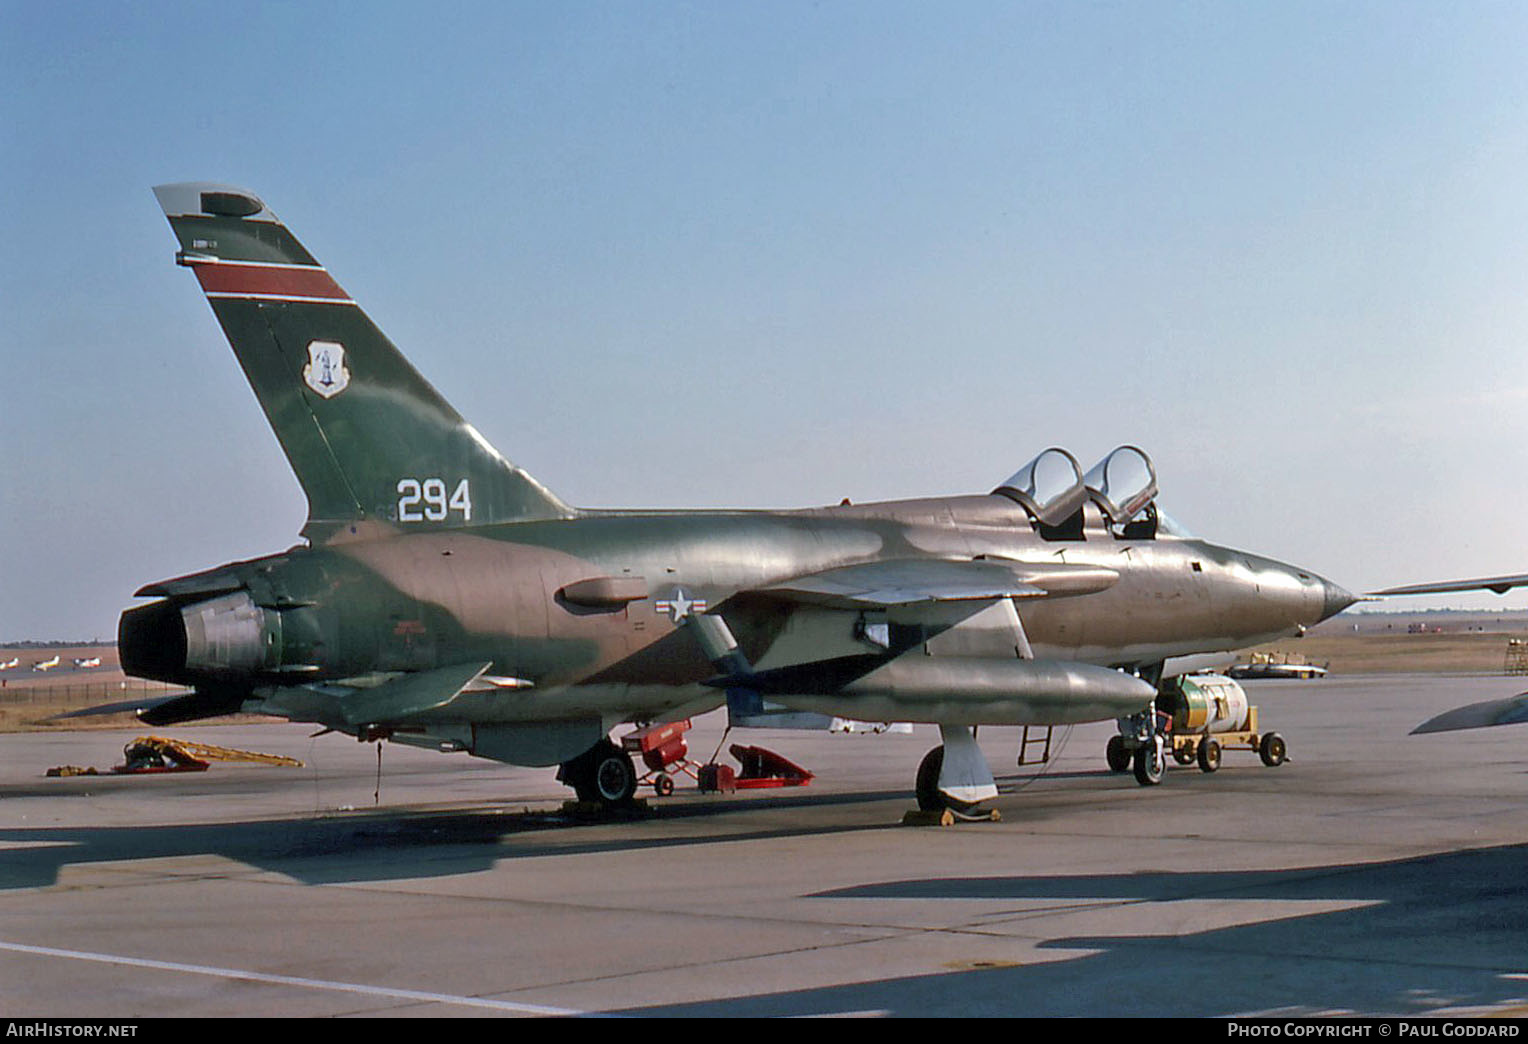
[{"x": 45, "y": 643}]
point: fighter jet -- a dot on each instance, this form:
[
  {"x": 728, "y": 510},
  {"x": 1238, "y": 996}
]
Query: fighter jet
[
  {"x": 444, "y": 598},
  {"x": 1509, "y": 711}
]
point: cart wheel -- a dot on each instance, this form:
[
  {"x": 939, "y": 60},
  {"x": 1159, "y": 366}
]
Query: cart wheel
[
  {"x": 1184, "y": 755},
  {"x": 1149, "y": 765},
  {"x": 1272, "y": 750},
  {"x": 1116, "y": 754},
  {"x": 1209, "y": 754},
  {"x": 663, "y": 786}
]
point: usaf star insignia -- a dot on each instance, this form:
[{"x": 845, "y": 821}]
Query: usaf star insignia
[{"x": 680, "y": 605}]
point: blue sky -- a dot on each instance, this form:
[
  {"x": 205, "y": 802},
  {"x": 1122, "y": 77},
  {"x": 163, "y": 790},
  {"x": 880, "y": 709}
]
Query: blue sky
[{"x": 775, "y": 255}]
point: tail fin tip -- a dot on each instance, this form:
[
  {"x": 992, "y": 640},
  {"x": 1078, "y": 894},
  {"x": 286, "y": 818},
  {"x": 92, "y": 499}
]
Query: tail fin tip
[{"x": 210, "y": 199}]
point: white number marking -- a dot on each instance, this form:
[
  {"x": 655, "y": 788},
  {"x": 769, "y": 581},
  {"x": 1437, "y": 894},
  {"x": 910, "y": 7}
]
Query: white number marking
[
  {"x": 434, "y": 500},
  {"x": 461, "y": 500},
  {"x": 425, "y": 500},
  {"x": 409, "y": 501}
]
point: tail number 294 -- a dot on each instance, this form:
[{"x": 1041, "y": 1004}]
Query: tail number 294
[{"x": 424, "y": 500}]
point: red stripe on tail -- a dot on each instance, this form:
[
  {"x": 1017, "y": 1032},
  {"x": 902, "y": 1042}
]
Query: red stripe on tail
[{"x": 268, "y": 281}]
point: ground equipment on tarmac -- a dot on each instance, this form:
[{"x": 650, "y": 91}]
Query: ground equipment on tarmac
[
  {"x": 665, "y": 754},
  {"x": 1198, "y": 717},
  {"x": 762, "y": 769},
  {"x": 162, "y": 754}
]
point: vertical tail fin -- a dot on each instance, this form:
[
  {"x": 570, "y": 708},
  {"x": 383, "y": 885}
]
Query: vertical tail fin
[{"x": 368, "y": 437}]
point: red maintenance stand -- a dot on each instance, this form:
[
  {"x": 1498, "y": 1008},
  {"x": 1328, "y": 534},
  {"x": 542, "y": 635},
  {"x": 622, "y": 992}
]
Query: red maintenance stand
[{"x": 666, "y": 754}]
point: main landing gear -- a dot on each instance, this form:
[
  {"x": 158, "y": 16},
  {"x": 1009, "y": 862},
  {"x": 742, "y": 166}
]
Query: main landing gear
[
  {"x": 603, "y": 775},
  {"x": 954, "y": 777}
]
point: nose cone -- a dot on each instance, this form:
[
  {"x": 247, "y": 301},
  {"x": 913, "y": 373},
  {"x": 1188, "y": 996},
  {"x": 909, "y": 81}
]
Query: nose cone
[
  {"x": 1335, "y": 598},
  {"x": 1288, "y": 598}
]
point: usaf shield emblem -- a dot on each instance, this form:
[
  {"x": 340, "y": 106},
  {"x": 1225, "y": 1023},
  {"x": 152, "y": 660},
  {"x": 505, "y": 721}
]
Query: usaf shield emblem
[{"x": 325, "y": 372}]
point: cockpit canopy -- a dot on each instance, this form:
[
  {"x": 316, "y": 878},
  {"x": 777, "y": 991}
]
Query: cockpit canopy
[
  {"x": 1053, "y": 490},
  {"x": 1050, "y": 487},
  {"x": 1122, "y": 484}
]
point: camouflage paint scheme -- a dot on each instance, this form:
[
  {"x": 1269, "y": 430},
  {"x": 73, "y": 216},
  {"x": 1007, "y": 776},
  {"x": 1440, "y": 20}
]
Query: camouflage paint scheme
[{"x": 446, "y": 598}]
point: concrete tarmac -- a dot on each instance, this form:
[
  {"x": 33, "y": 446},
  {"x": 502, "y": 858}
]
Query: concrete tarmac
[{"x": 1376, "y": 873}]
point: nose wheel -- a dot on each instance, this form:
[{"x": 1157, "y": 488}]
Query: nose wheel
[
  {"x": 1141, "y": 746},
  {"x": 1149, "y": 763}
]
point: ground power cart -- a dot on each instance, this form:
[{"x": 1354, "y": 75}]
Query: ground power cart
[{"x": 1199, "y": 716}]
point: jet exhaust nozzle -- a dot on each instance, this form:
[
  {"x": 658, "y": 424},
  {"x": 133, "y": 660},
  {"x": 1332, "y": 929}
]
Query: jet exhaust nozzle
[
  {"x": 217, "y": 638},
  {"x": 151, "y": 641}
]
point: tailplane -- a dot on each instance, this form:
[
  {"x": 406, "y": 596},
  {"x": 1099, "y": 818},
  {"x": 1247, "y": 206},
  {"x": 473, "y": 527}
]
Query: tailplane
[{"x": 368, "y": 437}]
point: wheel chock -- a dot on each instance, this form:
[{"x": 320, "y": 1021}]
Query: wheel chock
[{"x": 949, "y": 817}]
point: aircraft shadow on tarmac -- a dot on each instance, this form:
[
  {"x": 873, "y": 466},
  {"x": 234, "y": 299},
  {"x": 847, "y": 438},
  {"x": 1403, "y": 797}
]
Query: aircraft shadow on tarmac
[
  {"x": 1443, "y": 931},
  {"x": 391, "y": 845}
]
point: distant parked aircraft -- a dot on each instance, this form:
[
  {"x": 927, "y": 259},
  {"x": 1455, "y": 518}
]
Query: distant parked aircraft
[
  {"x": 45, "y": 665},
  {"x": 87, "y": 661},
  {"x": 1510, "y": 711}
]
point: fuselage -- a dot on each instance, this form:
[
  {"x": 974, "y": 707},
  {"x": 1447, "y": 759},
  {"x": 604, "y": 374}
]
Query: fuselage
[{"x": 408, "y": 602}]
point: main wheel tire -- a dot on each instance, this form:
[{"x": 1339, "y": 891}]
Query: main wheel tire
[
  {"x": 930, "y": 798},
  {"x": 1116, "y": 754},
  {"x": 603, "y": 775},
  {"x": 1272, "y": 750},
  {"x": 615, "y": 778},
  {"x": 1149, "y": 765},
  {"x": 1209, "y": 754}
]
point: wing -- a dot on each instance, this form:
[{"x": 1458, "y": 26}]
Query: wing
[
  {"x": 1511, "y": 711},
  {"x": 1499, "y": 584},
  {"x": 921, "y": 640}
]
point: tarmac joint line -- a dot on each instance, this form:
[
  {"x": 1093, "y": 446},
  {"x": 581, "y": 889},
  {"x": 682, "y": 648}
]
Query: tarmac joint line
[{"x": 421, "y": 996}]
